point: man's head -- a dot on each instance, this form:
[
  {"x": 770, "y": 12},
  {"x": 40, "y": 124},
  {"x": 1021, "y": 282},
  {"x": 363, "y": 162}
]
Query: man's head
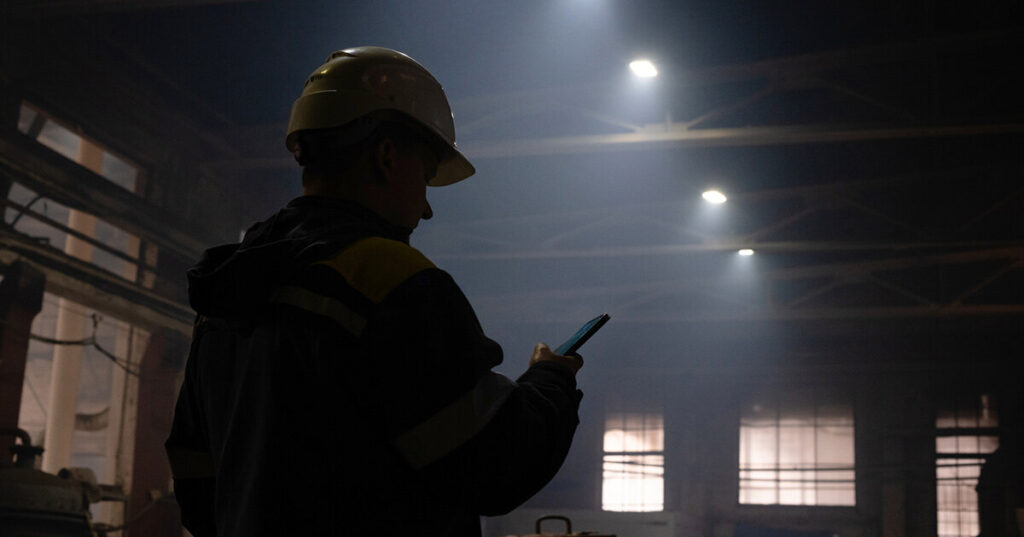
[
  {"x": 382, "y": 161},
  {"x": 366, "y": 119}
]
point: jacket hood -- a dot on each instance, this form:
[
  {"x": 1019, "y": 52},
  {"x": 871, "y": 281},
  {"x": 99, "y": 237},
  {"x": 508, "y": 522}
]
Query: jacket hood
[{"x": 236, "y": 280}]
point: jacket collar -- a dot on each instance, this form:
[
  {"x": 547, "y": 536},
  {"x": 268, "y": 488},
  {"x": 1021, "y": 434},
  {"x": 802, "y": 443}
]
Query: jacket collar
[{"x": 348, "y": 209}]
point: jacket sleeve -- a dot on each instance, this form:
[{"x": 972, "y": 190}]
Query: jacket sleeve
[
  {"x": 452, "y": 414},
  {"x": 189, "y": 455},
  {"x": 523, "y": 446}
]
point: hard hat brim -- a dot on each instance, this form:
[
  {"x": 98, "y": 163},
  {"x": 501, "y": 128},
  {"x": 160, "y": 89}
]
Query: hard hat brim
[{"x": 452, "y": 170}]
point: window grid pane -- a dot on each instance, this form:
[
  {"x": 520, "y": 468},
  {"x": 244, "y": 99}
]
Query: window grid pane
[
  {"x": 956, "y": 477},
  {"x": 797, "y": 451},
  {"x": 634, "y": 462},
  {"x": 66, "y": 142}
]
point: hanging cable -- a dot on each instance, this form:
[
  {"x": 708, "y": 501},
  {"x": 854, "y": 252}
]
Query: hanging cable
[
  {"x": 87, "y": 342},
  {"x": 96, "y": 345}
]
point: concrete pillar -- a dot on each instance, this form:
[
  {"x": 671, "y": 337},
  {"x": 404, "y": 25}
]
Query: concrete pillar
[
  {"x": 123, "y": 396},
  {"x": 21, "y": 298},
  {"x": 71, "y": 325},
  {"x": 894, "y": 474},
  {"x": 124, "y": 421},
  {"x": 920, "y": 458}
]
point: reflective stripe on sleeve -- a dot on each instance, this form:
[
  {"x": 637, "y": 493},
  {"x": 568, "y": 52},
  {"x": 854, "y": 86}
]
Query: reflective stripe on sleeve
[
  {"x": 189, "y": 463},
  {"x": 321, "y": 305},
  {"x": 456, "y": 423}
]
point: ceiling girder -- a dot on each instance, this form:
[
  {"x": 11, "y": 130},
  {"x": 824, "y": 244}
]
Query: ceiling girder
[
  {"x": 39, "y": 168},
  {"x": 724, "y": 246},
  {"x": 676, "y": 135},
  {"x": 1013, "y": 255},
  {"x": 772, "y": 305},
  {"x": 780, "y": 74},
  {"x": 786, "y": 68},
  {"x": 94, "y": 287},
  {"x": 493, "y": 243},
  {"x": 826, "y": 314},
  {"x": 60, "y": 8},
  {"x": 672, "y": 135}
]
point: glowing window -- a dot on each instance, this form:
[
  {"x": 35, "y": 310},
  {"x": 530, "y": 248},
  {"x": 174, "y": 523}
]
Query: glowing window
[
  {"x": 634, "y": 462},
  {"x": 797, "y": 449},
  {"x": 965, "y": 434}
]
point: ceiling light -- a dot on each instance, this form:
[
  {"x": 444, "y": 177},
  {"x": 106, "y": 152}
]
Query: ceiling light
[
  {"x": 714, "y": 196},
  {"x": 746, "y": 252},
  {"x": 643, "y": 68}
]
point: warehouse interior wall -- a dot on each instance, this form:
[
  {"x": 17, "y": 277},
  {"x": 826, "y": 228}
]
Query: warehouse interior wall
[{"x": 851, "y": 378}]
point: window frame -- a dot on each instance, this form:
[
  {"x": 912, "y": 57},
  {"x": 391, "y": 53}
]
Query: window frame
[
  {"x": 125, "y": 260},
  {"x": 657, "y": 469},
  {"x": 982, "y": 428},
  {"x": 839, "y": 397}
]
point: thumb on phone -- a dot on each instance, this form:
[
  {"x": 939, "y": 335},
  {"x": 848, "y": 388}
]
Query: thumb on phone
[{"x": 543, "y": 353}]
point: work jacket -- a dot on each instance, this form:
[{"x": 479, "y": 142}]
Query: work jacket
[{"x": 339, "y": 383}]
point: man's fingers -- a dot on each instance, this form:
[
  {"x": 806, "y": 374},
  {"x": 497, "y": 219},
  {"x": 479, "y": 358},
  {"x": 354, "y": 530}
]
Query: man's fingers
[
  {"x": 574, "y": 362},
  {"x": 541, "y": 351}
]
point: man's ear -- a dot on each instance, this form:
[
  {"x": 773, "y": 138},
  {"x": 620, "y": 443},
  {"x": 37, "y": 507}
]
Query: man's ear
[{"x": 384, "y": 159}]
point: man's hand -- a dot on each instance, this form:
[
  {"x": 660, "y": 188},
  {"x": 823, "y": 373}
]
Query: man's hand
[{"x": 542, "y": 353}]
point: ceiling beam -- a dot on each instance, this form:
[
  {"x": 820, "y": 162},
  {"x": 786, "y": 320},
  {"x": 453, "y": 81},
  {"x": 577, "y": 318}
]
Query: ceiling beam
[
  {"x": 815, "y": 62},
  {"x": 824, "y": 314},
  {"x": 782, "y": 68},
  {"x": 60, "y": 8},
  {"x": 1006, "y": 249},
  {"x": 268, "y": 138},
  {"x": 665, "y": 287},
  {"x": 95, "y": 288},
  {"x": 1012, "y": 253},
  {"x": 672, "y": 135},
  {"x": 568, "y": 219},
  {"x": 46, "y": 172}
]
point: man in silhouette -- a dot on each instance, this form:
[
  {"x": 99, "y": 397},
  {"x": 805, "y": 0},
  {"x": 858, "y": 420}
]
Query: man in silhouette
[{"x": 338, "y": 382}]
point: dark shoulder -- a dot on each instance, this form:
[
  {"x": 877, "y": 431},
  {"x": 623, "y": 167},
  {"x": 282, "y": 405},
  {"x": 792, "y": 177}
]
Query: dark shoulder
[{"x": 376, "y": 266}]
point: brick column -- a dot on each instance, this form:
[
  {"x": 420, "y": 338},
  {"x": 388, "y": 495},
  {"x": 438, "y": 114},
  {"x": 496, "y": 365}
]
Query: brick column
[
  {"x": 21, "y": 298},
  {"x": 158, "y": 372}
]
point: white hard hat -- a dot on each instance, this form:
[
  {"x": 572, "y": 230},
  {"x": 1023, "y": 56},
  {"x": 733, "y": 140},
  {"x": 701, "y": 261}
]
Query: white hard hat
[{"x": 355, "y": 82}]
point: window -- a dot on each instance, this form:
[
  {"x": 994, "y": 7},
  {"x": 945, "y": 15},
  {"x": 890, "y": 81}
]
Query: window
[
  {"x": 965, "y": 433},
  {"x": 634, "y": 462},
  {"x": 98, "y": 375},
  {"x": 796, "y": 449},
  {"x": 48, "y": 221},
  {"x": 54, "y": 135}
]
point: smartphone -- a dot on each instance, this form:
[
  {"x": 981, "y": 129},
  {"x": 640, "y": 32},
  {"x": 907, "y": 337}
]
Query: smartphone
[{"x": 581, "y": 336}]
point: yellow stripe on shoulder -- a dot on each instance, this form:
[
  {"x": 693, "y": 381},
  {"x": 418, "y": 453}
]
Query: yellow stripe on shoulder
[{"x": 374, "y": 266}]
